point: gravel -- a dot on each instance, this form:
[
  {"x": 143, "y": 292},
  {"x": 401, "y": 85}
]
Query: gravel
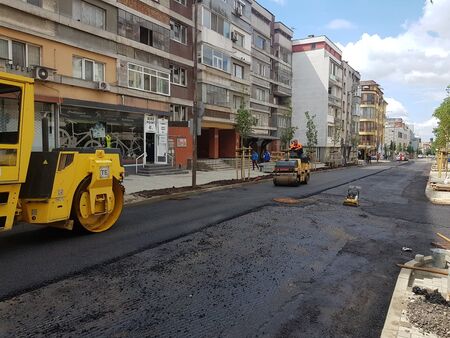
[{"x": 429, "y": 317}]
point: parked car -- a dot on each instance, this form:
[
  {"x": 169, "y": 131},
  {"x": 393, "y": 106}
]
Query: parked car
[{"x": 401, "y": 157}]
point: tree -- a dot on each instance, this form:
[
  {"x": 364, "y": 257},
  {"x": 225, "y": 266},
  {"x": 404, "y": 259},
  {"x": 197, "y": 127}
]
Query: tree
[
  {"x": 410, "y": 149},
  {"x": 400, "y": 147},
  {"x": 287, "y": 133},
  {"x": 311, "y": 134},
  {"x": 244, "y": 123},
  {"x": 442, "y": 131},
  {"x": 392, "y": 148}
]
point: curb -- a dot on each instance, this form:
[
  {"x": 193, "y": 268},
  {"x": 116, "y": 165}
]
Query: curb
[{"x": 154, "y": 199}]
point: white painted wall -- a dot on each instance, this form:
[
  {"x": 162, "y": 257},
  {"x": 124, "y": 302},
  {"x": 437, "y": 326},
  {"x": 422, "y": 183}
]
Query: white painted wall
[{"x": 310, "y": 93}]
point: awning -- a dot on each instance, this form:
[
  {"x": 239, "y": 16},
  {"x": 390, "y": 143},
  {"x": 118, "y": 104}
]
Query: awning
[{"x": 264, "y": 137}]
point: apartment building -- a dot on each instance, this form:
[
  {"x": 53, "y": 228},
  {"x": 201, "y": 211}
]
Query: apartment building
[
  {"x": 224, "y": 60},
  {"x": 325, "y": 86},
  {"x": 106, "y": 68},
  {"x": 398, "y": 132},
  {"x": 351, "y": 100},
  {"x": 372, "y": 121}
]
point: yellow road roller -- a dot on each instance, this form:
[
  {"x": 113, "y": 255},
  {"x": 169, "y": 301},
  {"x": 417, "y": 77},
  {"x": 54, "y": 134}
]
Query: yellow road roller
[
  {"x": 292, "y": 171},
  {"x": 65, "y": 188}
]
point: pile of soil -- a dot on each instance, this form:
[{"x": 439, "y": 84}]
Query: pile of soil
[
  {"x": 174, "y": 190},
  {"x": 431, "y": 316}
]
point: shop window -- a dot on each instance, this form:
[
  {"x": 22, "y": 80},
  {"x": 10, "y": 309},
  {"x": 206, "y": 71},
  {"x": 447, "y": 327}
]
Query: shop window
[
  {"x": 20, "y": 53},
  {"x": 88, "y": 69},
  {"x": 148, "y": 79},
  {"x": 178, "y": 113},
  {"x": 178, "y": 32},
  {"x": 178, "y": 75},
  {"x": 88, "y": 14}
]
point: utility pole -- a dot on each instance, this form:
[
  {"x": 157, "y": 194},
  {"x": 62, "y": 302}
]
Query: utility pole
[{"x": 195, "y": 107}]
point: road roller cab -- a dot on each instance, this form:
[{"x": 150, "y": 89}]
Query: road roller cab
[{"x": 60, "y": 188}]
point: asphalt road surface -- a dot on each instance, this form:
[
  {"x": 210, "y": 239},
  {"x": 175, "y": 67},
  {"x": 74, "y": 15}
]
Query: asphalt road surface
[{"x": 230, "y": 263}]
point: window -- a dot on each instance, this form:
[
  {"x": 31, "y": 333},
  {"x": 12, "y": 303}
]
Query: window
[
  {"x": 35, "y": 2},
  {"x": 215, "y": 95},
  {"x": 10, "y": 99},
  {"x": 313, "y": 46},
  {"x": 237, "y": 102},
  {"x": 260, "y": 42},
  {"x": 178, "y": 113},
  {"x": 260, "y": 94},
  {"x": 183, "y": 2},
  {"x": 177, "y": 32},
  {"x": 20, "y": 53},
  {"x": 146, "y": 36},
  {"x": 238, "y": 71},
  {"x": 177, "y": 75},
  {"x": 148, "y": 79},
  {"x": 216, "y": 59},
  {"x": 238, "y": 7},
  {"x": 239, "y": 39},
  {"x": 88, "y": 69},
  {"x": 330, "y": 131},
  {"x": 216, "y": 23},
  {"x": 89, "y": 14}
]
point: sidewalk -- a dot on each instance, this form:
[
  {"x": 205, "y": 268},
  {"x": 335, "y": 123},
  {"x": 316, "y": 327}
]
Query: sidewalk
[{"x": 135, "y": 183}]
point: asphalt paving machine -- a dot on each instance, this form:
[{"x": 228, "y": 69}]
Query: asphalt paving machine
[{"x": 65, "y": 188}]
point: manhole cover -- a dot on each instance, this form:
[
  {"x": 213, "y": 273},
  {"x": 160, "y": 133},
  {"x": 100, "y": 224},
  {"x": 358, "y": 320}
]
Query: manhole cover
[{"x": 287, "y": 200}]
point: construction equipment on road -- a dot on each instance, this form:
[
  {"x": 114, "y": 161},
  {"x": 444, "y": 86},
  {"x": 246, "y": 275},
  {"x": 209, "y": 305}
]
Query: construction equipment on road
[
  {"x": 61, "y": 188},
  {"x": 294, "y": 170},
  {"x": 352, "y": 198}
]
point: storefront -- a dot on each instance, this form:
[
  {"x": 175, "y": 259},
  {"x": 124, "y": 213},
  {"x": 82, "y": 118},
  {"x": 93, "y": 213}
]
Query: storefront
[{"x": 132, "y": 133}]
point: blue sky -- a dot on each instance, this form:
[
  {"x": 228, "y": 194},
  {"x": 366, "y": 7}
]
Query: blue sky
[{"x": 402, "y": 44}]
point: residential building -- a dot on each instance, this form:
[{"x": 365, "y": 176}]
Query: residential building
[
  {"x": 271, "y": 77},
  {"x": 327, "y": 87},
  {"x": 372, "y": 120},
  {"x": 400, "y": 133},
  {"x": 224, "y": 55},
  {"x": 105, "y": 68}
]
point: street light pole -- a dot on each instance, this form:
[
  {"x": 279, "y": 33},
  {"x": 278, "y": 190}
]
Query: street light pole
[{"x": 195, "y": 106}]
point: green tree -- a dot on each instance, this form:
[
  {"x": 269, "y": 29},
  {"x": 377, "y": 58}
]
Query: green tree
[
  {"x": 244, "y": 123},
  {"x": 410, "y": 149},
  {"x": 442, "y": 131},
  {"x": 287, "y": 134},
  {"x": 311, "y": 133},
  {"x": 400, "y": 147}
]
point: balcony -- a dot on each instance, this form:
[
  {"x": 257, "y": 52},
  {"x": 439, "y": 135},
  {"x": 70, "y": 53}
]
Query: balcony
[
  {"x": 280, "y": 90},
  {"x": 335, "y": 80},
  {"x": 334, "y": 101}
]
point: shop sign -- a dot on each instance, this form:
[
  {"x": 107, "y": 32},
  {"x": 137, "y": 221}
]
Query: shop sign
[
  {"x": 163, "y": 126},
  {"x": 181, "y": 142},
  {"x": 149, "y": 123}
]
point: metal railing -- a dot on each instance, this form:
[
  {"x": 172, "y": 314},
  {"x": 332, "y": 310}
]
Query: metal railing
[{"x": 143, "y": 156}]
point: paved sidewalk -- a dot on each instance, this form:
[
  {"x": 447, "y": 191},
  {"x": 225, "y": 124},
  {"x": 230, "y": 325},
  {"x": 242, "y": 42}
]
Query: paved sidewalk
[{"x": 135, "y": 183}]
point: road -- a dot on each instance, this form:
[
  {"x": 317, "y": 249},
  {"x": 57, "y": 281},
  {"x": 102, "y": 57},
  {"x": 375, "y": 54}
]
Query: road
[{"x": 228, "y": 263}]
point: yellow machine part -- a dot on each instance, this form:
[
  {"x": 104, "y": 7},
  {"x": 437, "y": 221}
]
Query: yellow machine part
[{"x": 86, "y": 190}]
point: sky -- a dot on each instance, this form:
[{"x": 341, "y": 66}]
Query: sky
[{"x": 404, "y": 45}]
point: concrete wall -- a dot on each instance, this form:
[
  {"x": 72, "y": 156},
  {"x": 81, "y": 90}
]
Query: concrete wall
[{"x": 310, "y": 93}]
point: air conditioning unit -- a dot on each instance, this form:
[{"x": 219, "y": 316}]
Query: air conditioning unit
[
  {"x": 43, "y": 73},
  {"x": 234, "y": 36},
  {"x": 238, "y": 10},
  {"x": 102, "y": 85}
]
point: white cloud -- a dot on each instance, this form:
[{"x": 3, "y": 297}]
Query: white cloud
[
  {"x": 279, "y": 2},
  {"x": 425, "y": 129},
  {"x": 396, "y": 108},
  {"x": 340, "y": 24},
  {"x": 415, "y": 62}
]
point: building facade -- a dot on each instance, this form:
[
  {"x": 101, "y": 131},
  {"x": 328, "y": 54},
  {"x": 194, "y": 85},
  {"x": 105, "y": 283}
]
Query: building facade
[
  {"x": 400, "y": 133},
  {"x": 117, "y": 69},
  {"x": 327, "y": 87},
  {"x": 372, "y": 120}
]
